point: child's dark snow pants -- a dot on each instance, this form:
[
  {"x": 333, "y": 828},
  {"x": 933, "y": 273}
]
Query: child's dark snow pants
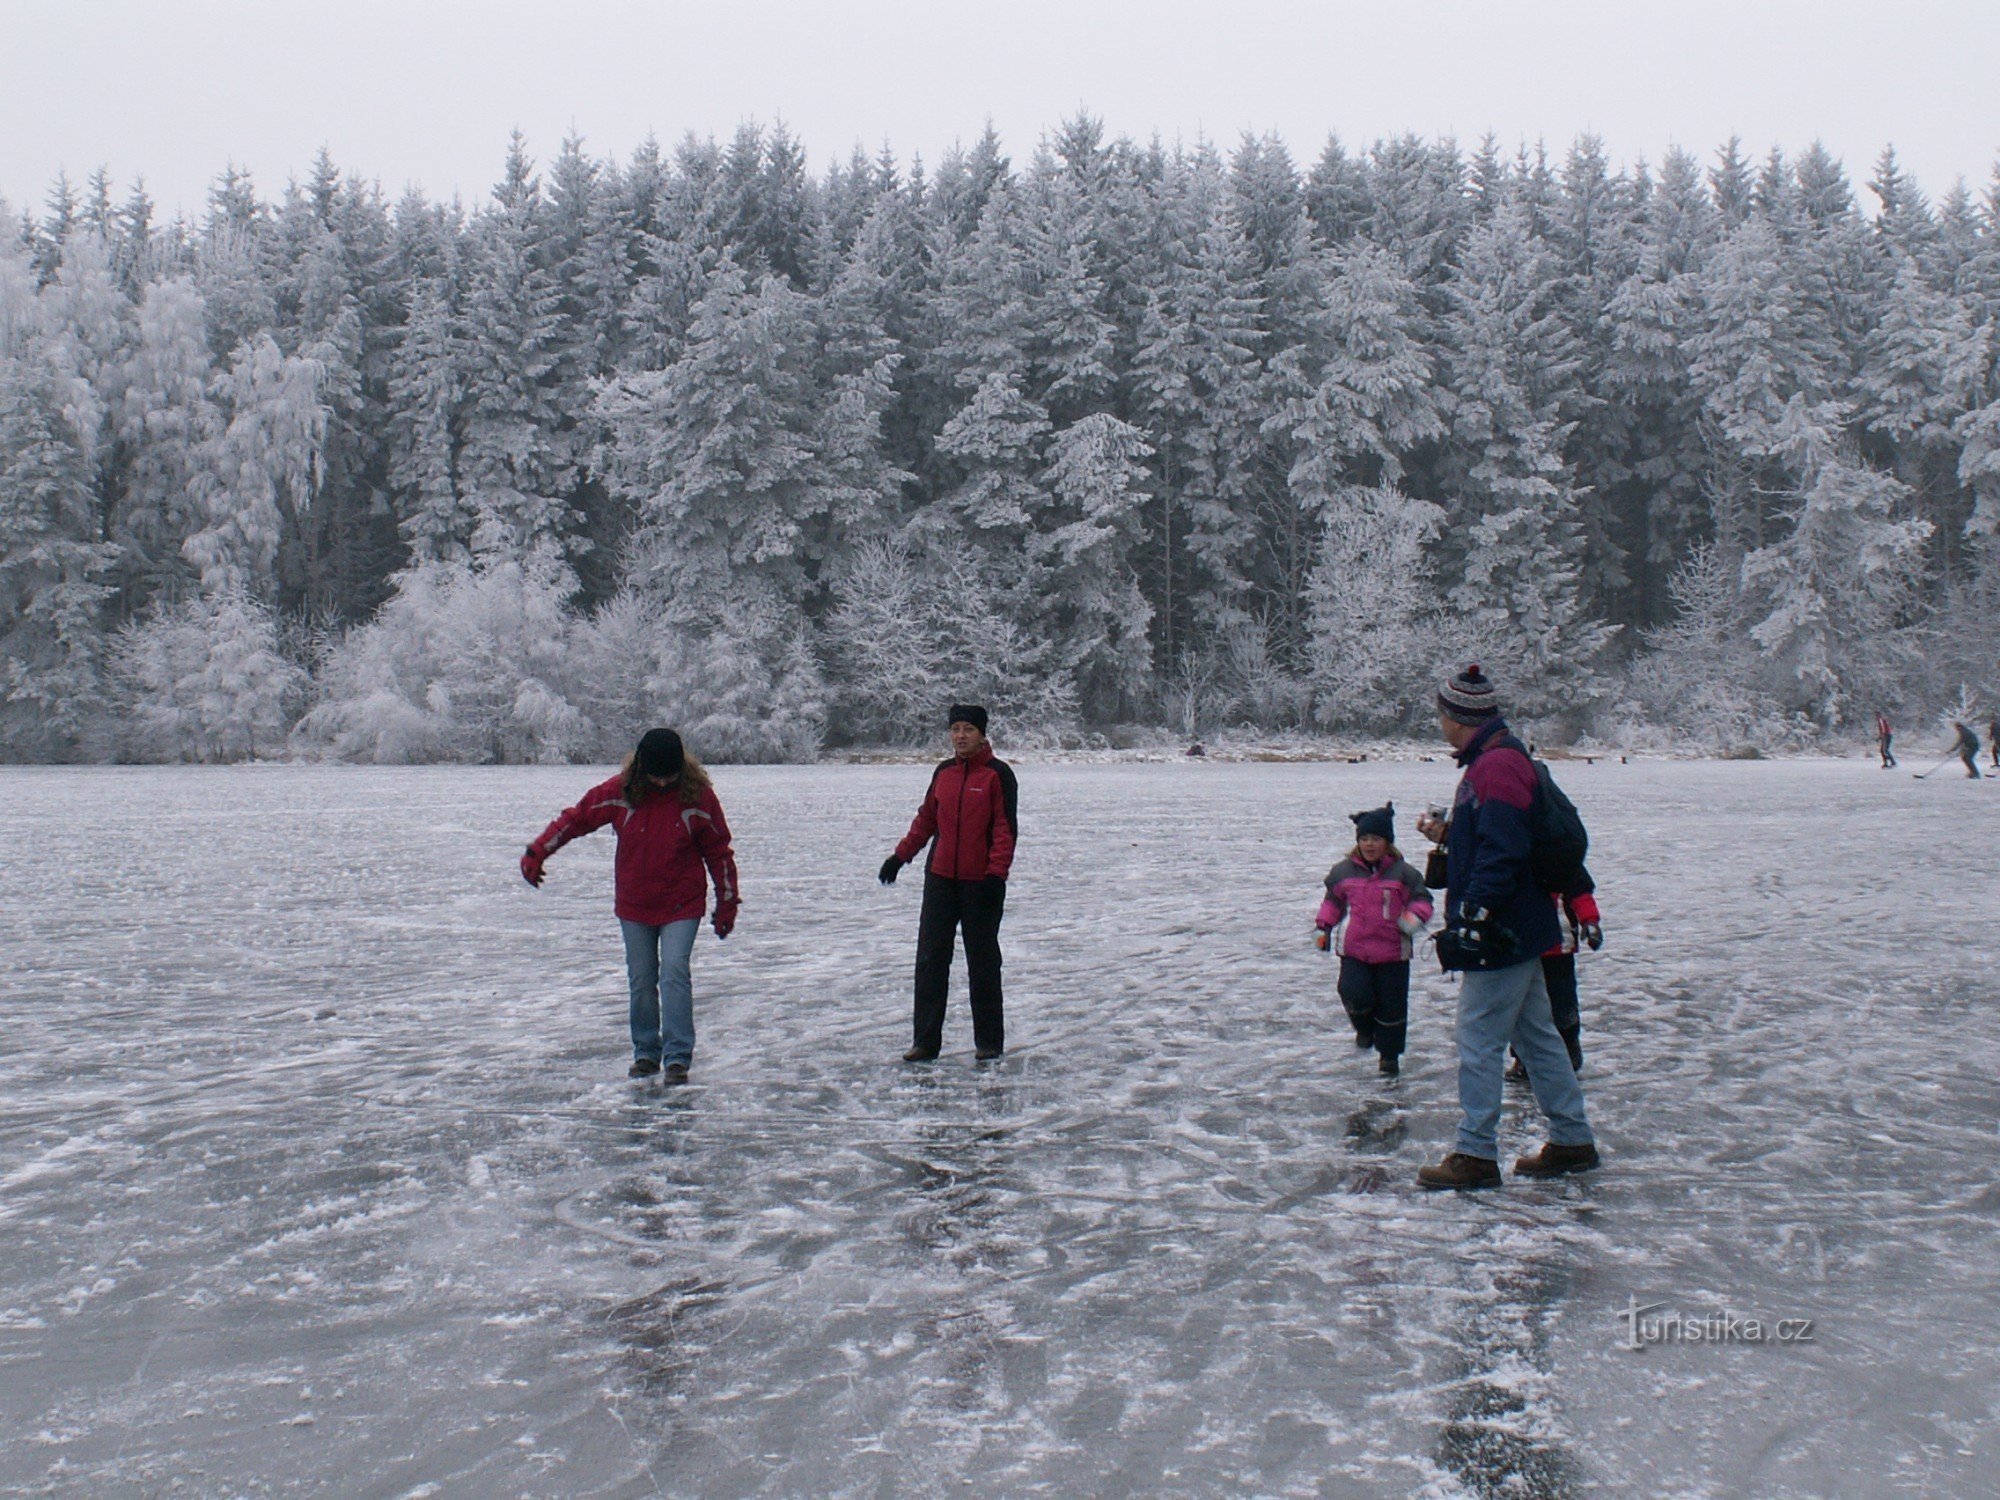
[{"x": 1377, "y": 999}]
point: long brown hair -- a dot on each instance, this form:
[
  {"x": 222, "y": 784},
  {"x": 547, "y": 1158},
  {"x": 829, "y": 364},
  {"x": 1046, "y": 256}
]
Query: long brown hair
[{"x": 691, "y": 783}]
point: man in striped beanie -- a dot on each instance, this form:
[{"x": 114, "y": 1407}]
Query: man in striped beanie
[{"x": 1498, "y": 923}]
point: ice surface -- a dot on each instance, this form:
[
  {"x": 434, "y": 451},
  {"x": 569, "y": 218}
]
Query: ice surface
[{"x": 319, "y": 1172}]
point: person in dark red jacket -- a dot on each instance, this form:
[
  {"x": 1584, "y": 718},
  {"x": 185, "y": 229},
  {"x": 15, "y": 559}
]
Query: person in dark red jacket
[
  {"x": 968, "y": 819},
  {"x": 672, "y": 839}
]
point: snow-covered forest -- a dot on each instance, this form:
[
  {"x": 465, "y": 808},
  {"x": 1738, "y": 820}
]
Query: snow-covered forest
[{"x": 1124, "y": 434}]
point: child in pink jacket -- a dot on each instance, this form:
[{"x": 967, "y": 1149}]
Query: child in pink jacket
[{"x": 1380, "y": 903}]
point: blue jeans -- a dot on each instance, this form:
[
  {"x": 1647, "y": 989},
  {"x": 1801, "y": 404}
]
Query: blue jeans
[
  {"x": 656, "y": 963},
  {"x": 1496, "y": 1007}
]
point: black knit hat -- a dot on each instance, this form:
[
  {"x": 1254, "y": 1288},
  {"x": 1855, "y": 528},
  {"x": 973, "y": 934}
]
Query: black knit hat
[
  {"x": 967, "y": 713},
  {"x": 661, "y": 754},
  {"x": 1468, "y": 698},
  {"x": 1380, "y": 821}
]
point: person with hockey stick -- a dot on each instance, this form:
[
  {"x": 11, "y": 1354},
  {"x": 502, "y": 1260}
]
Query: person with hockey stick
[
  {"x": 1379, "y": 903},
  {"x": 1966, "y": 747},
  {"x": 1498, "y": 922},
  {"x": 1883, "y": 735},
  {"x": 968, "y": 818},
  {"x": 672, "y": 840}
]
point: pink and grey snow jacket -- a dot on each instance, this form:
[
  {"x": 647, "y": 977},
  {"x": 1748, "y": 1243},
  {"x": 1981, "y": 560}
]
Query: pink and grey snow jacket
[
  {"x": 1384, "y": 906},
  {"x": 666, "y": 851}
]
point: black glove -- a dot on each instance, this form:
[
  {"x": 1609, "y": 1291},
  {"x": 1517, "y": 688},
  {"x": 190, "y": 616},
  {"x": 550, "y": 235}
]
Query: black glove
[
  {"x": 1593, "y": 935},
  {"x": 891, "y": 868},
  {"x": 1473, "y": 940}
]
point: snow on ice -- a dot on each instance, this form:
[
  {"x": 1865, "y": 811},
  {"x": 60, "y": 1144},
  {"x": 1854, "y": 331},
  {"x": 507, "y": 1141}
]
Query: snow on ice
[{"x": 319, "y": 1171}]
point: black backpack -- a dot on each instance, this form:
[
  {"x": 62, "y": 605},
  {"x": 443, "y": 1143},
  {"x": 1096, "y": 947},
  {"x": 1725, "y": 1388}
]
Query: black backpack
[{"x": 1557, "y": 842}]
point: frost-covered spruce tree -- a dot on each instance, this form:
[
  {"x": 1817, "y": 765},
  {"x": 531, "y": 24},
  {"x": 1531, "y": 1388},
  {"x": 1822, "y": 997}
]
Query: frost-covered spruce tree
[
  {"x": 516, "y": 463},
  {"x": 51, "y": 596},
  {"x": 1372, "y": 609},
  {"x": 426, "y": 386},
  {"x": 261, "y": 471},
  {"x": 165, "y": 422},
  {"x": 1825, "y": 597},
  {"x": 720, "y": 453},
  {"x": 205, "y": 680},
  {"x": 1511, "y": 552},
  {"x": 1086, "y": 552},
  {"x": 1196, "y": 383}
]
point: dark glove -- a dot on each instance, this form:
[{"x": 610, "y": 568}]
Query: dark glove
[
  {"x": 1473, "y": 940},
  {"x": 1593, "y": 935},
  {"x": 1322, "y": 938},
  {"x": 725, "y": 919},
  {"x": 891, "y": 868},
  {"x": 531, "y": 865}
]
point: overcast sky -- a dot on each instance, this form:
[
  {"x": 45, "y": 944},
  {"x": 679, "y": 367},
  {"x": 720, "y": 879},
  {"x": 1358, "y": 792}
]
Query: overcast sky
[{"x": 426, "y": 91}]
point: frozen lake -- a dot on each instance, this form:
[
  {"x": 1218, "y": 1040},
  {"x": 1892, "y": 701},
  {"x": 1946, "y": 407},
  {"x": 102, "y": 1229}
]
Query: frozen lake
[{"x": 319, "y": 1171}]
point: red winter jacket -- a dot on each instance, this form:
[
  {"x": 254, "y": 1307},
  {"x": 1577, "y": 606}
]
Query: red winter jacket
[
  {"x": 1576, "y": 910},
  {"x": 663, "y": 847},
  {"x": 969, "y": 810}
]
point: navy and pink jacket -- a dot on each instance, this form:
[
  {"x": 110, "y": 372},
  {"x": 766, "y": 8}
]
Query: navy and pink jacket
[
  {"x": 969, "y": 812},
  {"x": 1383, "y": 905},
  {"x": 1491, "y": 831},
  {"x": 667, "y": 851}
]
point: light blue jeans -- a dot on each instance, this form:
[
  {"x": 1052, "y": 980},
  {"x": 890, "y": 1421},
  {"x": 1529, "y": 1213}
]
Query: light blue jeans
[
  {"x": 656, "y": 963},
  {"x": 1496, "y": 1007}
]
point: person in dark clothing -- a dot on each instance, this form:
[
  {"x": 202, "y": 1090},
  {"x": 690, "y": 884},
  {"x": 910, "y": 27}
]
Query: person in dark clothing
[
  {"x": 1883, "y": 735},
  {"x": 1967, "y": 746},
  {"x": 1993, "y": 739},
  {"x": 1498, "y": 923},
  {"x": 968, "y": 819}
]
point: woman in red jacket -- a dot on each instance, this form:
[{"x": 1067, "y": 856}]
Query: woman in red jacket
[
  {"x": 672, "y": 838},
  {"x": 968, "y": 819}
]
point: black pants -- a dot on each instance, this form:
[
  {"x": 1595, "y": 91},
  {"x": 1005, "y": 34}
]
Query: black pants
[
  {"x": 975, "y": 905},
  {"x": 1377, "y": 1000},
  {"x": 1565, "y": 1009},
  {"x": 1971, "y": 759}
]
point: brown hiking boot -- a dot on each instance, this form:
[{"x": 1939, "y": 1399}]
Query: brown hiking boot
[
  {"x": 1553, "y": 1160},
  {"x": 1460, "y": 1171},
  {"x": 675, "y": 1073},
  {"x": 921, "y": 1054}
]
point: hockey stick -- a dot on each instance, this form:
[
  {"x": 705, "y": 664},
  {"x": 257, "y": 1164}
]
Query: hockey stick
[{"x": 1920, "y": 775}]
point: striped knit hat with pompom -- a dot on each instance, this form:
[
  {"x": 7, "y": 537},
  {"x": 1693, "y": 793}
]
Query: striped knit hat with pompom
[{"x": 1468, "y": 698}]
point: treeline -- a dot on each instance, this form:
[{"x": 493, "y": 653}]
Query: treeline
[{"x": 1127, "y": 434}]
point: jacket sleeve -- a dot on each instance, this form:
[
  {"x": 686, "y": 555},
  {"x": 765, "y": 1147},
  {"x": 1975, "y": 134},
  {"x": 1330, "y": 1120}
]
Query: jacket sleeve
[
  {"x": 1416, "y": 895},
  {"x": 1503, "y": 782},
  {"x": 923, "y": 827},
  {"x": 1334, "y": 902},
  {"x": 711, "y": 836},
  {"x": 1000, "y": 843},
  {"x": 598, "y": 806},
  {"x": 1583, "y": 908},
  {"x": 1328, "y": 917}
]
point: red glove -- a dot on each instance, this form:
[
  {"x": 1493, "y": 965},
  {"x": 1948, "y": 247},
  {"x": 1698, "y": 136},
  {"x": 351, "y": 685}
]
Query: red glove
[
  {"x": 1322, "y": 937},
  {"x": 531, "y": 866},
  {"x": 725, "y": 920}
]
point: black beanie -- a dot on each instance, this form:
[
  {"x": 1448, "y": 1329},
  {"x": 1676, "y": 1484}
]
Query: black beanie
[
  {"x": 660, "y": 753},
  {"x": 967, "y": 713},
  {"x": 1468, "y": 698},
  {"x": 1381, "y": 822}
]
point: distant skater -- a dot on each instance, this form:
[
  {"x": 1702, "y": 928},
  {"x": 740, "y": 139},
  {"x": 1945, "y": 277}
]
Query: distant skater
[
  {"x": 1379, "y": 904},
  {"x": 968, "y": 820},
  {"x": 1967, "y": 746},
  {"x": 1993, "y": 739},
  {"x": 672, "y": 839},
  {"x": 1883, "y": 735}
]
